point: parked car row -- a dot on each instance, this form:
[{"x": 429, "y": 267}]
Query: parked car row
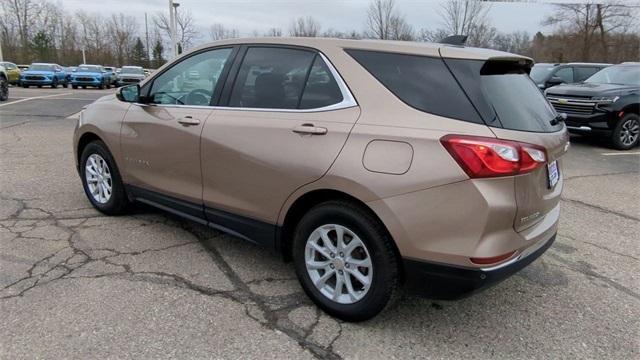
[{"x": 84, "y": 75}]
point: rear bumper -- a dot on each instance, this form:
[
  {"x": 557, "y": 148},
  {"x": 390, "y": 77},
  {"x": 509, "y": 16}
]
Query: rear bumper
[{"x": 447, "y": 282}]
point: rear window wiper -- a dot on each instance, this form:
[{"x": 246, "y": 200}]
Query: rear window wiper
[{"x": 558, "y": 119}]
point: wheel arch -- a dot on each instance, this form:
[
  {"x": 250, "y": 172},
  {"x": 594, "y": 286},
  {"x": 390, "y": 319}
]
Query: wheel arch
[
  {"x": 305, "y": 202},
  {"x": 632, "y": 108},
  {"x": 83, "y": 141}
]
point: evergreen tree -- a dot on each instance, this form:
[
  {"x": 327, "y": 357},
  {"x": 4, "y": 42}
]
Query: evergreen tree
[
  {"x": 43, "y": 47},
  {"x": 158, "y": 49},
  {"x": 139, "y": 54}
]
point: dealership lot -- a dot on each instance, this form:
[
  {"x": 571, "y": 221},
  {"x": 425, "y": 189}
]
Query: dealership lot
[{"x": 74, "y": 283}]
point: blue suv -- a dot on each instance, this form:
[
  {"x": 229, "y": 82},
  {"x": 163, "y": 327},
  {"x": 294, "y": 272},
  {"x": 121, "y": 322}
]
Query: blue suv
[
  {"x": 90, "y": 75},
  {"x": 41, "y": 74}
]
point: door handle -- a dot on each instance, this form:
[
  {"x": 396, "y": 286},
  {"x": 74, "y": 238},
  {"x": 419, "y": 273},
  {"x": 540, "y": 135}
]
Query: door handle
[
  {"x": 309, "y": 129},
  {"x": 189, "y": 121}
]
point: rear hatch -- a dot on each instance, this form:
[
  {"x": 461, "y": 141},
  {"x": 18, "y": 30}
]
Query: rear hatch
[{"x": 513, "y": 107}]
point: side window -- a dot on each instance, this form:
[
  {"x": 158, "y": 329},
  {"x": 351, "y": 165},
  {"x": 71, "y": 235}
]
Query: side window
[
  {"x": 271, "y": 78},
  {"x": 582, "y": 73},
  {"x": 191, "y": 81},
  {"x": 424, "y": 83},
  {"x": 321, "y": 89},
  {"x": 566, "y": 74}
]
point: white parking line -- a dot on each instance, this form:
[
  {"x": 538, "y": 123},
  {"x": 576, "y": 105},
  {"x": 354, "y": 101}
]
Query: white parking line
[
  {"x": 621, "y": 153},
  {"x": 34, "y": 98}
]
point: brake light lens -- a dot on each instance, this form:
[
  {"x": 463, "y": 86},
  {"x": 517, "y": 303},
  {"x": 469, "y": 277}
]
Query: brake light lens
[{"x": 482, "y": 157}]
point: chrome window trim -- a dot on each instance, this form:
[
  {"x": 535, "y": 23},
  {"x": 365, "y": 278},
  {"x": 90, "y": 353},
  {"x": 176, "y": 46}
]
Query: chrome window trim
[{"x": 348, "y": 100}]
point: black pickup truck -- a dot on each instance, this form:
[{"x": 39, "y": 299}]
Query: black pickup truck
[{"x": 606, "y": 103}]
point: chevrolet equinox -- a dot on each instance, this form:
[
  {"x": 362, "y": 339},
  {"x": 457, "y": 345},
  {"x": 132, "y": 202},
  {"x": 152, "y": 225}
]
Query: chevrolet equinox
[{"x": 369, "y": 164}]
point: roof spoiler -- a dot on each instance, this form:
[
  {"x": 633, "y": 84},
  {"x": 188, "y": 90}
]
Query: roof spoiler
[{"x": 459, "y": 40}]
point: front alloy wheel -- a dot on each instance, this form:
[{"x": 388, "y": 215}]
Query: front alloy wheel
[
  {"x": 98, "y": 178},
  {"x": 627, "y": 132},
  {"x": 101, "y": 179},
  {"x": 338, "y": 263}
]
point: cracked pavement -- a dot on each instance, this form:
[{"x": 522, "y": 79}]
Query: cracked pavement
[{"x": 77, "y": 284}]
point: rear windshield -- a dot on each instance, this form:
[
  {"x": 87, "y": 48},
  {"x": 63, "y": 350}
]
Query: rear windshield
[
  {"x": 137, "y": 71},
  {"x": 423, "y": 83},
  {"x": 504, "y": 95}
]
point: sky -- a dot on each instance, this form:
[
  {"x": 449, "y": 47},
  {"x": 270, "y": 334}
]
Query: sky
[{"x": 342, "y": 15}]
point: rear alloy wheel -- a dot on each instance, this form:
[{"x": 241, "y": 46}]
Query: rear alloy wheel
[
  {"x": 345, "y": 261},
  {"x": 4, "y": 89},
  {"x": 338, "y": 263},
  {"x": 626, "y": 133}
]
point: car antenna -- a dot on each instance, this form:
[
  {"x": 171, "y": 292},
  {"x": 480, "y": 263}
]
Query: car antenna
[{"x": 459, "y": 40}]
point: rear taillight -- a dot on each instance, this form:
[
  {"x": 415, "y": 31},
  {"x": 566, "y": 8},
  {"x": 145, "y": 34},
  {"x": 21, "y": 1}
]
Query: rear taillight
[{"x": 482, "y": 157}]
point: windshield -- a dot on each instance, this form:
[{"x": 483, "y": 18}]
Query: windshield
[
  {"x": 621, "y": 74},
  {"x": 88, "y": 68},
  {"x": 137, "y": 71},
  {"x": 540, "y": 72},
  {"x": 41, "y": 67}
]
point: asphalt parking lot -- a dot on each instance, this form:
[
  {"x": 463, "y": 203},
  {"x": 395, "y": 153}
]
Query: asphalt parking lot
[{"x": 76, "y": 284}]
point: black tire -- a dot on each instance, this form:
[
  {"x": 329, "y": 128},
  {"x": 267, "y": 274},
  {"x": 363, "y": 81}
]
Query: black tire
[
  {"x": 109, "y": 85},
  {"x": 84, "y": 86},
  {"x": 385, "y": 278},
  {"x": 74, "y": 86},
  {"x": 66, "y": 85},
  {"x": 118, "y": 203},
  {"x": 25, "y": 86},
  {"x": 39, "y": 86},
  {"x": 54, "y": 83},
  {"x": 4, "y": 89},
  {"x": 101, "y": 86},
  {"x": 629, "y": 122}
]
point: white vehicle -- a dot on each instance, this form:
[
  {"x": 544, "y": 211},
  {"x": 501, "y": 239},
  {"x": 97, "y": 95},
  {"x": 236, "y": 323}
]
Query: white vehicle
[{"x": 4, "y": 84}]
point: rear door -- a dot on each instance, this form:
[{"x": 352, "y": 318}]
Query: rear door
[
  {"x": 286, "y": 116},
  {"x": 514, "y": 108}
]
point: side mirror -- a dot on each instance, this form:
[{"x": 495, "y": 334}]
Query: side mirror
[
  {"x": 129, "y": 93},
  {"x": 555, "y": 81}
]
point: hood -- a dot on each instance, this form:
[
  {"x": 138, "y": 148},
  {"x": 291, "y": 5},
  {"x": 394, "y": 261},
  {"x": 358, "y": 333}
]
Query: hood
[
  {"x": 38, "y": 72},
  {"x": 592, "y": 89},
  {"x": 87, "y": 73}
]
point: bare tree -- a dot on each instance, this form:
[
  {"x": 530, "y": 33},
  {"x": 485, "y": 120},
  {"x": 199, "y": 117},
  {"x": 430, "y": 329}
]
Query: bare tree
[
  {"x": 384, "y": 22},
  {"x": 331, "y": 33},
  {"x": 274, "y": 32},
  {"x": 186, "y": 27},
  {"x": 219, "y": 32},
  {"x": 304, "y": 27},
  {"x": 592, "y": 23},
  {"x": 468, "y": 17},
  {"x": 122, "y": 30}
]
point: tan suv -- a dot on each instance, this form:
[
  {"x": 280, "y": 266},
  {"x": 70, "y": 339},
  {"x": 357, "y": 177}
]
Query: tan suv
[{"x": 370, "y": 164}]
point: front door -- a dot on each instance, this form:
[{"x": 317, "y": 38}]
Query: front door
[
  {"x": 286, "y": 118},
  {"x": 160, "y": 139}
]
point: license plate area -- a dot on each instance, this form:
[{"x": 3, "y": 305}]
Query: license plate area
[{"x": 553, "y": 173}]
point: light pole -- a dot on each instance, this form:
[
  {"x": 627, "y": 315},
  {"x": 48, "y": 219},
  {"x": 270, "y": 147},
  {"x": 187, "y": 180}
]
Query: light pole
[{"x": 173, "y": 14}]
